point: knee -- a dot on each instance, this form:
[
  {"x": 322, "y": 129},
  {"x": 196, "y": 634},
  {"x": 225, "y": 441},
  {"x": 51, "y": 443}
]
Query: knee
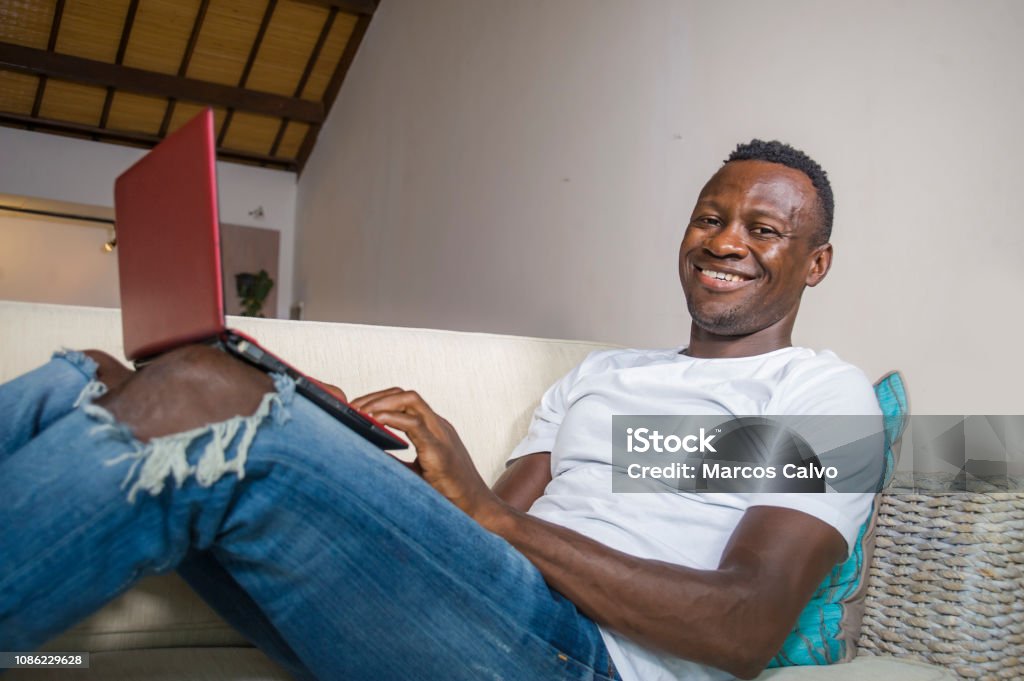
[
  {"x": 205, "y": 369},
  {"x": 109, "y": 371},
  {"x": 184, "y": 389}
]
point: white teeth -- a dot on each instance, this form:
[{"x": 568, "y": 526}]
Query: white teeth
[{"x": 722, "y": 275}]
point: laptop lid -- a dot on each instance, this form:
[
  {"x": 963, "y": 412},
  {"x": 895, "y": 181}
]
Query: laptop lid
[{"x": 168, "y": 243}]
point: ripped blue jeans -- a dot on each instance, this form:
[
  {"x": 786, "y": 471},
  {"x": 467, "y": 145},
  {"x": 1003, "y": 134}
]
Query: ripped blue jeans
[{"x": 329, "y": 555}]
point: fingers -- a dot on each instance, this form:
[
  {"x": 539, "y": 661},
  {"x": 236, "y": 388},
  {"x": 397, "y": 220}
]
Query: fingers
[
  {"x": 333, "y": 389},
  {"x": 394, "y": 399},
  {"x": 407, "y": 423},
  {"x": 361, "y": 402},
  {"x": 408, "y": 412},
  {"x": 441, "y": 457},
  {"x": 412, "y": 425}
]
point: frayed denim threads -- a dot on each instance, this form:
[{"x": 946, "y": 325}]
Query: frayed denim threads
[{"x": 166, "y": 457}]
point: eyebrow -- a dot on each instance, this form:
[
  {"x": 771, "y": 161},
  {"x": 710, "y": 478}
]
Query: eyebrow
[
  {"x": 775, "y": 215},
  {"x": 757, "y": 211}
]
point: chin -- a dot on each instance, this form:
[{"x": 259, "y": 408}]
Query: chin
[
  {"x": 728, "y": 322},
  {"x": 720, "y": 325}
]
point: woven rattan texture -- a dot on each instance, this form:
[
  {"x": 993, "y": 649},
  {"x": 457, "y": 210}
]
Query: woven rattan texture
[{"x": 947, "y": 583}]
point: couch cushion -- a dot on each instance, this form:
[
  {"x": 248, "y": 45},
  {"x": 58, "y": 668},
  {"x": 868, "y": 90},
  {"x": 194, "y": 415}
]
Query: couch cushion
[
  {"x": 863, "y": 669},
  {"x": 158, "y": 612},
  {"x": 828, "y": 628}
]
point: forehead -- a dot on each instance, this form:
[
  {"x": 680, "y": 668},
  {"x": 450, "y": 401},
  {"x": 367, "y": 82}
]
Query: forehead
[{"x": 760, "y": 186}]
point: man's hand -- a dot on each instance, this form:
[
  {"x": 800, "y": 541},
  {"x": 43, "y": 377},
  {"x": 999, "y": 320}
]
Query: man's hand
[
  {"x": 332, "y": 389},
  {"x": 441, "y": 458}
]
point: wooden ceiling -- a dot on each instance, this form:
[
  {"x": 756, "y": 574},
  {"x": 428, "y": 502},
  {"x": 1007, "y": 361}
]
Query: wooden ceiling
[{"x": 132, "y": 71}]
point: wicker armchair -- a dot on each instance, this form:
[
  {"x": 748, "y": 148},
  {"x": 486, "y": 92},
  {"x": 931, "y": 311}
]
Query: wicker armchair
[{"x": 946, "y": 584}]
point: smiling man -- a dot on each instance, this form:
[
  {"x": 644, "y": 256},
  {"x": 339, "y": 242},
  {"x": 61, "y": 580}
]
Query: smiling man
[
  {"x": 342, "y": 563},
  {"x": 758, "y": 235}
]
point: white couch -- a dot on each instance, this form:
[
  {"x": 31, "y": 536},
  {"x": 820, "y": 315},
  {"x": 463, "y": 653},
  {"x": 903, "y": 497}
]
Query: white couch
[{"x": 486, "y": 385}]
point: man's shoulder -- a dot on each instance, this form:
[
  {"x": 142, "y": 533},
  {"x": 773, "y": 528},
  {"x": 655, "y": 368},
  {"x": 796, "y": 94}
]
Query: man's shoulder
[
  {"x": 806, "y": 363},
  {"x": 822, "y": 378},
  {"x": 617, "y": 358}
]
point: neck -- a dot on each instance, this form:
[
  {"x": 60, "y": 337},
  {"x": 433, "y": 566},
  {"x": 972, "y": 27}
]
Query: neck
[{"x": 706, "y": 344}]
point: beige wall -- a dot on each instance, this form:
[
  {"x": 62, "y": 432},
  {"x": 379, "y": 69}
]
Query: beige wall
[
  {"x": 527, "y": 167},
  {"x": 49, "y": 260},
  {"x": 55, "y": 260},
  {"x": 41, "y": 167}
]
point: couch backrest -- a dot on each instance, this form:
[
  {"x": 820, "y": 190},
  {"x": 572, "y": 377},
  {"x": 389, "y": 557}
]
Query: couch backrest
[{"x": 487, "y": 385}]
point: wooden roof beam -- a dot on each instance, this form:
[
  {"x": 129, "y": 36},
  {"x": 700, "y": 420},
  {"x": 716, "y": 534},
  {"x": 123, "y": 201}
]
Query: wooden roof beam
[
  {"x": 186, "y": 59},
  {"x": 58, "y": 12},
  {"x": 334, "y": 86},
  {"x": 268, "y": 14},
  {"x": 363, "y": 7},
  {"x": 325, "y": 30},
  {"x": 126, "y": 32},
  {"x": 104, "y": 74},
  {"x": 136, "y": 138}
]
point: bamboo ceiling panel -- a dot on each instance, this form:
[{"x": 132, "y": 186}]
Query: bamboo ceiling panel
[
  {"x": 183, "y": 111},
  {"x": 91, "y": 28},
  {"x": 287, "y": 47},
  {"x": 342, "y": 31},
  {"x": 226, "y": 40},
  {"x": 26, "y": 22},
  {"x": 292, "y": 138},
  {"x": 132, "y": 71},
  {"x": 18, "y": 91},
  {"x": 68, "y": 101},
  {"x": 136, "y": 113},
  {"x": 159, "y": 36},
  {"x": 251, "y": 132}
]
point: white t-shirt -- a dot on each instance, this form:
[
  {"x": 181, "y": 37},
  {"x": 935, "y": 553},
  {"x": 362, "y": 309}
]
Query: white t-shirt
[{"x": 574, "y": 423}]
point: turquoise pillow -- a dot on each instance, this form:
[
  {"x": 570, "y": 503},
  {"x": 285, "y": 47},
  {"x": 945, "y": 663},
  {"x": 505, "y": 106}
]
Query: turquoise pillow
[{"x": 828, "y": 628}]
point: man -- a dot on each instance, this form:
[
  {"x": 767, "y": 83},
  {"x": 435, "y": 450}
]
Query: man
[{"x": 343, "y": 564}]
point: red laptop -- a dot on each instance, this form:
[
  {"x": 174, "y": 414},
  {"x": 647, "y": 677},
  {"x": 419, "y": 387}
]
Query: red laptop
[{"x": 168, "y": 244}]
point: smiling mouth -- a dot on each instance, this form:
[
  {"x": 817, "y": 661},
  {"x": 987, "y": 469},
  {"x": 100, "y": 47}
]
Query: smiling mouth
[{"x": 721, "y": 281}]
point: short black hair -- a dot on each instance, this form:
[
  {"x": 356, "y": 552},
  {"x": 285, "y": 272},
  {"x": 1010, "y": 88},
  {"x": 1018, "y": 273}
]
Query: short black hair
[{"x": 780, "y": 152}]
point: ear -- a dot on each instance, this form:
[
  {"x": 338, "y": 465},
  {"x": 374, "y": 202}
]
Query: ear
[{"x": 820, "y": 263}]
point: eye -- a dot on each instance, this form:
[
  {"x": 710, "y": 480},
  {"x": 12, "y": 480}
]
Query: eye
[
  {"x": 763, "y": 231},
  {"x": 708, "y": 220}
]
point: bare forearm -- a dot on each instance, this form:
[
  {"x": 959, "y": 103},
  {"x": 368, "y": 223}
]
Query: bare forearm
[
  {"x": 523, "y": 482},
  {"x": 693, "y": 614},
  {"x": 771, "y": 564}
]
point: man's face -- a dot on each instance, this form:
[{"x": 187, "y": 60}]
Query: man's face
[{"x": 750, "y": 248}]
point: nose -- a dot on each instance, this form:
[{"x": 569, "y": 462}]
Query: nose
[{"x": 726, "y": 242}]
